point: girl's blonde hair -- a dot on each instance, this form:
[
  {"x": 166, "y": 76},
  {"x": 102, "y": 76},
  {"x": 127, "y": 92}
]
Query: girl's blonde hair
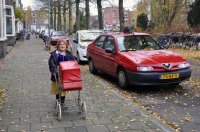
[{"x": 60, "y": 41}]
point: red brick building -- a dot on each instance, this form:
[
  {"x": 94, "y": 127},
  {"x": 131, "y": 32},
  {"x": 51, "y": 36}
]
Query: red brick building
[{"x": 111, "y": 17}]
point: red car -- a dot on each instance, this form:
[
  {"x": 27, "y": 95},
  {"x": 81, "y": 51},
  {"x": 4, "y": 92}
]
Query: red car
[
  {"x": 136, "y": 59},
  {"x": 56, "y": 36}
]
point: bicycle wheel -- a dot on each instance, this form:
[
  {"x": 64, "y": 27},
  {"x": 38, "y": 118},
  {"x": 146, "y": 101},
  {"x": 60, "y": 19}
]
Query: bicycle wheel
[{"x": 187, "y": 46}]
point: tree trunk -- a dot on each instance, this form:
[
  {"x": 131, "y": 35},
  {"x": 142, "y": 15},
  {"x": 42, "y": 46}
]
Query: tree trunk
[
  {"x": 70, "y": 16},
  {"x": 64, "y": 15},
  {"x": 77, "y": 15},
  {"x": 54, "y": 21},
  {"x": 51, "y": 15},
  {"x": 121, "y": 15},
  {"x": 87, "y": 13},
  {"x": 59, "y": 16},
  {"x": 100, "y": 18}
]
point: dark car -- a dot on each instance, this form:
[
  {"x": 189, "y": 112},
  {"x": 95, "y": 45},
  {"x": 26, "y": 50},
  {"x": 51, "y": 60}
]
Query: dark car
[
  {"x": 136, "y": 59},
  {"x": 56, "y": 36}
]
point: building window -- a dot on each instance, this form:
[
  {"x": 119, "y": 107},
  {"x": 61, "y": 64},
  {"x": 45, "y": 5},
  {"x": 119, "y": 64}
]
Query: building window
[
  {"x": 125, "y": 20},
  {"x": 114, "y": 21},
  {"x": 10, "y": 21},
  {"x": 2, "y": 21},
  {"x": 114, "y": 14},
  {"x": 125, "y": 14},
  {"x": 34, "y": 22}
]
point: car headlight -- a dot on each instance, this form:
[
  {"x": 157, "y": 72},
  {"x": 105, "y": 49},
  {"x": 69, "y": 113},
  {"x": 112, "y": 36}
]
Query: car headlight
[
  {"x": 82, "y": 46},
  {"x": 145, "y": 68},
  {"x": 184, "y": 65}
]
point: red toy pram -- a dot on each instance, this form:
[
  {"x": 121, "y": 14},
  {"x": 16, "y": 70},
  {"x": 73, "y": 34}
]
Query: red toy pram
[{"x": 70, "y": 80}]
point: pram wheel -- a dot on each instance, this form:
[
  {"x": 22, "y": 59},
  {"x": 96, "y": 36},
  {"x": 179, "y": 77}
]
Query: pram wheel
[
  {"x": 83, "y": 110},
  {"x": 56, "y": 104},
  {"x": 59, "y": 110}
]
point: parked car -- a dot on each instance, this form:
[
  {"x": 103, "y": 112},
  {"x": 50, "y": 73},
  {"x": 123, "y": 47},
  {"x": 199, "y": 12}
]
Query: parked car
[
  {"x": 56, "y": 36},
  {"x": 136, "y": 59},
  {"x": 81, "y": 40},
  {"x": 46, "y": 34}
]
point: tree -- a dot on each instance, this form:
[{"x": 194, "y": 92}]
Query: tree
[
  {"x": 142, "y": 21},
  {"x": 193, "y": 17},
  {"x": 82, "y": 20},
  {"x": 121, "y": 15},
  {"x": 19, "y": 14},
  {"x": 100, "y": 17},
  {"x": 59, "y": 23},
  {"x": 70, "y": 16},
  {"x": 29, "y": 14},
  {"x": 163, "y": 12},
  {"x": 87, "y": 14},
  {"x": 77, "y": 15},
  {"x": 64, "y": 14},
  {"x": 28, "y": 17}
]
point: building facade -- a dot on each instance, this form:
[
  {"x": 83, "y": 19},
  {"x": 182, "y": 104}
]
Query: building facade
[
  {"x": 38, "y": 20},
  {"x": 111, "y": 17},
  {"x": 7, "y": 26}
]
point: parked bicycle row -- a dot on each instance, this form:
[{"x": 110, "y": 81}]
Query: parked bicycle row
[{"x": 185, "y": 41}]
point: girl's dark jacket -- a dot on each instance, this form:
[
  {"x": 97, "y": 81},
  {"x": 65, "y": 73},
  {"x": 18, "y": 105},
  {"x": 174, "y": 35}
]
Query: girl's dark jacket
[{"x": 53, "y": 63}]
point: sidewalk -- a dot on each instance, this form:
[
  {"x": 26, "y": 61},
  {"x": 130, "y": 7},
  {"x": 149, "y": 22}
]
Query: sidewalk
[{"x": 30, "y": 107}]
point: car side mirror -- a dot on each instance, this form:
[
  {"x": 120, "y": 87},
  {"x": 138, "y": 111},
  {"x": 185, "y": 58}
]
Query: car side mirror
[
  {"x": 109, "y": 50},
  {"x": 75, "y": 41}
]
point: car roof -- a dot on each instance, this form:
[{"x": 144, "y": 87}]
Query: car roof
[
  {"x": 118, "y": 34},
  {"x": 81, "y": 31}
]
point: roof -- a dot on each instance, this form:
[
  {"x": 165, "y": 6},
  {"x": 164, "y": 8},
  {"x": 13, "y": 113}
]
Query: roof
[
  {"x": 124, "y": 34},
  {"x": 80, "y": 31}
]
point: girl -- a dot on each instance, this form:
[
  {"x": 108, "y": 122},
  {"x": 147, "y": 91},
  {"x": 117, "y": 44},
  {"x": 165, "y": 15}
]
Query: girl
[{"x": 60, "y": 54}]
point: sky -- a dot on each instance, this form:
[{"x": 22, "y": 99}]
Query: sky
[
  {"x": 128, "y": 4},
  {"x": 26, "y": 3}
]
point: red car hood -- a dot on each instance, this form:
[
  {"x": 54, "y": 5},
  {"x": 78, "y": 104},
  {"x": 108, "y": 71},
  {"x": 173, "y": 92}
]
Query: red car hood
[
  {"x": 153, "y": 57},
  {"x": 59, "y": 37}
]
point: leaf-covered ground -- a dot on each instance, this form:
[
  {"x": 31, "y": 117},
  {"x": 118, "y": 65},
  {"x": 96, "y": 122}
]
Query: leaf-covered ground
[
  {"x": 2, "y": 93},
  {"x": 194, "y": 57}
]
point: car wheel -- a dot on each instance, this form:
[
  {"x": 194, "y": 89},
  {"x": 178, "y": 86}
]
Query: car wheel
[
  {"x": 78, "y": 58},
  {"x": 92, "y": 68},
  {"x": 122, "y": 79}
]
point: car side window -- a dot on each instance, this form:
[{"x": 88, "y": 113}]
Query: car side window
[
  {"x": 100, "y": 41},
  {"x": 109, "y": 43}
]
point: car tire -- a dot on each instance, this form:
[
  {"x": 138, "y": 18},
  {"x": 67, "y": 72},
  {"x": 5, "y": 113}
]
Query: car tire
[
  {"x": 92, "y": 68},
  {"x": 122, "y": 78},
  {"x": 78, "y": 58}
]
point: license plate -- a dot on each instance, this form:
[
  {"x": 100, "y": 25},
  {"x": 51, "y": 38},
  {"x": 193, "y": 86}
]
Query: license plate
[{"x": 170, "y": 76}]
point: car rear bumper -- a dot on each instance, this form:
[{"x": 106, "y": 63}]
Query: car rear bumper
[
  {"x": 54, "y": 43},
  {"x": 154, "y": 78}
]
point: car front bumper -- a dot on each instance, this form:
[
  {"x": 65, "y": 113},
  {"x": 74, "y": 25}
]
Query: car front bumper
[{"x": 154, "y": 78}]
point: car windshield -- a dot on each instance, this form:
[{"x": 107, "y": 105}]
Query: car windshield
[
  {"x": 137, "y": 42},
  {"x": 89, "y": 36},
  {"x": 58, "y": 33}
]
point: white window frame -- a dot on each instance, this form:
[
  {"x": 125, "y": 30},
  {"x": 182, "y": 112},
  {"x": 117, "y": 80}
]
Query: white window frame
[
  {"x": 12, "y": 19},
  {"x": 3, "y": 21}
]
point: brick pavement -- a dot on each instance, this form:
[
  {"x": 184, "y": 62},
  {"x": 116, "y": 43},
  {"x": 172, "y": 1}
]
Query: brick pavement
[{"x": 30, "y": 107}]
